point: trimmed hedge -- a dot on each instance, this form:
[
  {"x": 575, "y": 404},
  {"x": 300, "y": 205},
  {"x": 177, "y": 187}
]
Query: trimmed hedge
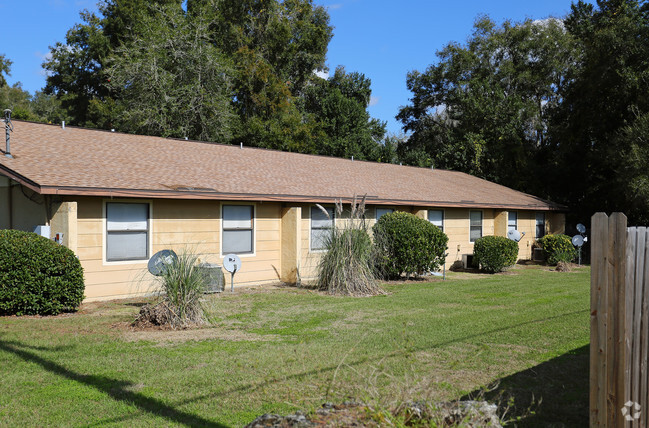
[
  {"x": 407, "y": 244},
  {"x": 495, "y": 253},
  {"x": 37, "y": 275},
  {"x": 557, "y": 248}
]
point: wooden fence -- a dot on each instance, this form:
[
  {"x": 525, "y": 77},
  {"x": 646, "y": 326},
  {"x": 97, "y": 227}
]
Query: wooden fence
[{"x": 619, "y": 334}]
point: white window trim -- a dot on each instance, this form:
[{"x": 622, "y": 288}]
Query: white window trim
[
  {"x": 254, "y": 229},
  {"x": 443, "y": 218},
  {"x": 311, "y": 228},
  {"x": 104, "y": 239},
  {"x": 481, "y": 224}
]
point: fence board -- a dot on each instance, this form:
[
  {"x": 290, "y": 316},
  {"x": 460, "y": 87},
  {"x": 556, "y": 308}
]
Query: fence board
[
  {"x": 599, "y": 337},
  {"x": 636, "y": 325},
  {"x": 644, "y": 344},
  {"x": 619, "y": 370},
  {"x": 617, "y": 275}
]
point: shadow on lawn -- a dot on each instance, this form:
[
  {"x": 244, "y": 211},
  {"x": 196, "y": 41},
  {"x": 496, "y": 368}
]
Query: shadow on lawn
[
  {"x": 556, "y": 391},
  {"x": 117, "y": 389}
]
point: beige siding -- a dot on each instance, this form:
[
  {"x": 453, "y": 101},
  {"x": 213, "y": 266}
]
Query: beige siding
[
  {"x": 196, "y": 225},
  {"x": 177, "y": 225},
  {"x": 25, "y": 213}
]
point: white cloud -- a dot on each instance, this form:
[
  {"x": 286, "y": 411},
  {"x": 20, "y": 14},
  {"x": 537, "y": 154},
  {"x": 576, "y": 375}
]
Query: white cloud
[
  {"x": 321, "y": 74},
  {"x": 374, "y": 100},
  {"x": 335, "y": 6}
]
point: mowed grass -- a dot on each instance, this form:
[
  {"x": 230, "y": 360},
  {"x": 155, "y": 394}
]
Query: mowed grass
[{"x": 279, "y": 350}]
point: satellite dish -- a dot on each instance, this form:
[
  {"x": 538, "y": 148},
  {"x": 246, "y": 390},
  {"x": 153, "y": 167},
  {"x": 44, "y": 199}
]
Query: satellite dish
[
  {"x": 581, "y": 228},
  {"x": 158, "y": 263},
  {"x": 514, "y": 235},
  {"x": 577, "y": 240},
  {"x": 232, "y": 263}
]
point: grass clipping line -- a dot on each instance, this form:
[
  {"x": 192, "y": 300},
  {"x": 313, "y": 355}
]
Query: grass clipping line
[
  {"x": 181, "y": 287},
  {"x": 347, "y": 266}
]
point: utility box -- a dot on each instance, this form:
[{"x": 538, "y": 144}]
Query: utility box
[
  {"x": 214, "y": 277},
  {"x": 467, "y": 260},
  {"x": 43, "y": 230},
  {"x": 537, "y": 254}
]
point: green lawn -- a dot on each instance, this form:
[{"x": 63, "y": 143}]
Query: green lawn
[{"x": 286, "y": 349}]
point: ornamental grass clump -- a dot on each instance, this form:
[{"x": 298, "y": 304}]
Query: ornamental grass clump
[
  {"x": 181, "y": 287},
  {"x": 347, "y": 266}
]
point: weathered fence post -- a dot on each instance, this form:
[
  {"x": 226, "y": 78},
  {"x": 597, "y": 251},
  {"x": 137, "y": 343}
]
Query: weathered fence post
[
  {"x": 619, "y": 336},
  {"x": 608, "y": 302}
]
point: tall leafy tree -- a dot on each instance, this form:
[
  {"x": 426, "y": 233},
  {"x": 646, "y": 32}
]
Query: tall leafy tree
[
  {"x": 275, "y": 47},
  {"x": 5, "y": 69},
  {"x": 76, "y": 69},
  {"x": 485, "y": 107},
  {"x": 169, "y": 80},
  {"x": 600, "y": 134},
  {"x": 340, "y": 105}
]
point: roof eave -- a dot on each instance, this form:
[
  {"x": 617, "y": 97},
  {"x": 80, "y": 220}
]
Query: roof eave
[{"x": 213, "y": 195}]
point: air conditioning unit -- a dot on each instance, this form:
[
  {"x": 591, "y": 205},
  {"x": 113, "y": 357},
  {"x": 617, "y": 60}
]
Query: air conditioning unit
[
  {"x": 467, "y": 260},
  {"x": 537, "y": 254},
  {"x": 214, "y": 277}
]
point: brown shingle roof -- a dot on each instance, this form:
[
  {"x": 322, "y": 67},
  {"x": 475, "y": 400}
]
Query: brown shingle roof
[{"x": 77, "y": 161}]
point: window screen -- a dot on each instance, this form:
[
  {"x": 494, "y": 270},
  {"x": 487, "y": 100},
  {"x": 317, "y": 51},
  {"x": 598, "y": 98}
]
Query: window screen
[
  {"x": 127, "y": 231},
  {"x": 540, "y": 225},
  {"x": 381, "y": 211},
  {"x": 512, "y": 221},
  {"x": 321, "y": 226},
  {"x": 476, "y": 225},
  {"x": 238, "y": 228},
  {"x": 437, "y": 218}
]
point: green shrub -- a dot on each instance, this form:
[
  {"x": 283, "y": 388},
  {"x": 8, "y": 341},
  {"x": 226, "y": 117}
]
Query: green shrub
[
  {"x": 408, "y": 244},
  {"x": 495, "y": 253},
  {"x": 37, "y": 275},
  {"x": 557, "y": 248}
]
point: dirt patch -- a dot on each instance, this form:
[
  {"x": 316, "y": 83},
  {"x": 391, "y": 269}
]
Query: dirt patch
[{"x": 165, "y": 335}]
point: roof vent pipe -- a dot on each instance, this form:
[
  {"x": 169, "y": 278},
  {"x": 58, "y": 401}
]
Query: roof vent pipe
[
  {"x": 352, "y": 158},
  {"x": 241, "y": 146},
  {"x": 63, "y": 124},
  {"x": 8, "y": 129}
]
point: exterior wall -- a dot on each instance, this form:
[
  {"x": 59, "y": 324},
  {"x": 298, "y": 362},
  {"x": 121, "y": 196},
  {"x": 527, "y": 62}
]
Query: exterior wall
[
  {"x": 176, "y": 225},
  {"x": 282, "y": 234},
  {"x": 17, "y": 211}
]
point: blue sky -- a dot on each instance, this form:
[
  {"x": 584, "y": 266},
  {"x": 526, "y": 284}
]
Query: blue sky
[{"x": 380, "y": 38}]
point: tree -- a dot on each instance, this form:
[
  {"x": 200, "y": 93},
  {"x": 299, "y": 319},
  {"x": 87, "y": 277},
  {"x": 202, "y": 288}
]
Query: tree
[
  {"x": 339, "y": 105},
  {"x": 76, "y": 69},
  {"x": 275, "y": 47},
  {"x": 169, "y": 80},
  {"x": 485, "y": 107},
  {"x": 600, "y": 134},
  {"x": 5, "y": 68}
]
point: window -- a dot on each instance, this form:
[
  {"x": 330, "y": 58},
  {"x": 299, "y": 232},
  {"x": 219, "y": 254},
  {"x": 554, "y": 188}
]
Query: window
[
  {"x": 437, "y": 218},
  {"x": 512, "y": 221},
  {"x": 381, "y": 211},
  {"x": 476, "y": 225},
  {"x": 238, "y": 227},
  {"x": 127, "y": 231},
  {"x": 540, "y": 225},
  {"x": 321, "y": 226}
]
